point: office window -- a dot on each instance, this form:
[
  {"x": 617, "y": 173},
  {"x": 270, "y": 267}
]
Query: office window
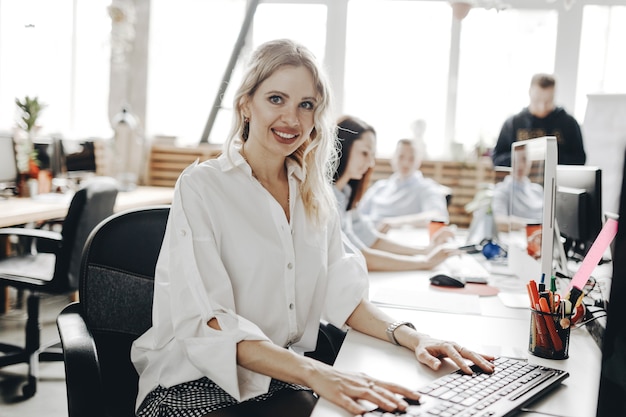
[
  {"x": 500, "y": 51},
  {"x": 397, "y": 57},
  {"x": 183, "y": 82},
  {"x": 60, "y": 54},
  {"x": 602, "y": 62}
]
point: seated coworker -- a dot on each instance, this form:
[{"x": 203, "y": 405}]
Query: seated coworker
[
  {"x": 517, "y": 200},
  {"x": 406, "y": 197},
  {"x": 357, "y": 141},
  {"x": 252, "y": 260}
]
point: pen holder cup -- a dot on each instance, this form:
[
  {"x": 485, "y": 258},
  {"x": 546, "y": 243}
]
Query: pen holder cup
[{"x": 549, "y": 334}]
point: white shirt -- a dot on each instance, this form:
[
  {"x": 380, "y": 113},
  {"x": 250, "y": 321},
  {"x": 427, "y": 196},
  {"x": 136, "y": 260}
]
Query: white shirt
[
  {"x": 230, "y": 253},
  {"x": 359, "y": 230},
  {"x": 521, "y": 198},
  {"x": 396, "y": 196}
]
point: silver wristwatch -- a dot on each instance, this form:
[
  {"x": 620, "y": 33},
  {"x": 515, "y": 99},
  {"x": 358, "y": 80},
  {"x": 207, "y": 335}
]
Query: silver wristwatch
[{"x": 392, "y": 328}]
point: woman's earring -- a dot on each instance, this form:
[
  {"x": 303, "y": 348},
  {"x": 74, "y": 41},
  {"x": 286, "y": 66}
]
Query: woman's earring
[{"x": 246, "y": 128}]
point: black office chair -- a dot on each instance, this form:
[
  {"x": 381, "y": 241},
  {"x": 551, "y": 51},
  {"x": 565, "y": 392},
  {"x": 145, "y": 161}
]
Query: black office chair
[
  {"x": 47, "y": 262},
  {"x": 115, "y": 290}
]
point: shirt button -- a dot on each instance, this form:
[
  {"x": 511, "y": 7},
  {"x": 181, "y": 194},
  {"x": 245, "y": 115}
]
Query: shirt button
[
  {"x": 183, "y": 232},
  {"x": 289, "y": 265},
  {"x": 291, "y": 306}
]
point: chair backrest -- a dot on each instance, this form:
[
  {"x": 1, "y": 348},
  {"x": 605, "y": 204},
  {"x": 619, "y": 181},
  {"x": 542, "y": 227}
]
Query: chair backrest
[
  {"x": 90, "y": 205},
  {"x": 116, "y": 288}
]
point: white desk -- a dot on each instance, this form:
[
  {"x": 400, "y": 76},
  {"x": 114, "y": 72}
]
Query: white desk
[
  {"x": 575, "y": 398},
  {"x": 16, "y": 211},
  {"x": 496, "y": 330}
]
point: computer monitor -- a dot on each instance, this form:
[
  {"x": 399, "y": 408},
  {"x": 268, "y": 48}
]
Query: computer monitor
[
  {"x": 612, "y": 390},
  {"x": 579, "y": 207},
  {"x": 51, "y": 155},
  {"x": 532, "y": 207},
  {"x": 8, "y": 163}
]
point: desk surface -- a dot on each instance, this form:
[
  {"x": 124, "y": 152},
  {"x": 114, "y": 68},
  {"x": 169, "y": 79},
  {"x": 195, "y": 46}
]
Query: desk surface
[
  {"x": 16, "y": 211},
  {"x": 494, "y": 329},
  {"x": 575, "y": 398}
]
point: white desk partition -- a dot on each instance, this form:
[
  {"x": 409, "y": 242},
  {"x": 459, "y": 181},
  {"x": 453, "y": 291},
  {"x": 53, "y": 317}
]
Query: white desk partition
[{"x": 575, "y": 398}]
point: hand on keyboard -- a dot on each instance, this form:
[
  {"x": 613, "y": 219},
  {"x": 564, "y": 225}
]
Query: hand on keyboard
[{"x": 513, "y": 383}]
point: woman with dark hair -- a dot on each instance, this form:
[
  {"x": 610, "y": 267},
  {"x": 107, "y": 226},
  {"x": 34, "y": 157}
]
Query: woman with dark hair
[
  {"x": 357, "y": 144},
  {"x": 252, "y": 260}
]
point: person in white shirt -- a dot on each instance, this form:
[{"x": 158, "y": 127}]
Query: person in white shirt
[
  {"x": 517, "y": 201},
  {"x": 357, "y": 141},
  {"x": 252, "y": 260},
  {"x": 406, "y": 197}
]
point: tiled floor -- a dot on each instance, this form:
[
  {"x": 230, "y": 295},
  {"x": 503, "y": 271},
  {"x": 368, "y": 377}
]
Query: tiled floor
[{"x": 50, "y": 399}]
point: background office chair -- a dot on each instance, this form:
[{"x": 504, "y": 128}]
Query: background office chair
[
  {"x": 115, "y": 291},
  {"x": 51, "y": 265}
]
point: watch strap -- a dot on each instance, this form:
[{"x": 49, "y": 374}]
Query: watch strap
[{"x": 392, "y": 328}]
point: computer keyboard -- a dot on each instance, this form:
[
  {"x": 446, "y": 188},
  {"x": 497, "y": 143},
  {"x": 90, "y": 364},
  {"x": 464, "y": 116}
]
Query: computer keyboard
[
  {"x": 467, "y": 267},
  {"x": 514, "y": 384}
]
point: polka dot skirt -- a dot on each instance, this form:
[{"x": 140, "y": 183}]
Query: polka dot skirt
[{"x": 197, "y": 398}]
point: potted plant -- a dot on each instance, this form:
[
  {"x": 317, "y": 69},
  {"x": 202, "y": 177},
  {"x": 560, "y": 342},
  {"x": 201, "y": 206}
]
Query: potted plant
[
  {"x": 30, "y": 109},
  {"x": 27, "y": 160}
]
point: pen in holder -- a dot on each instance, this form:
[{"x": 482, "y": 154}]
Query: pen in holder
[{"x": 549, "y": 334}]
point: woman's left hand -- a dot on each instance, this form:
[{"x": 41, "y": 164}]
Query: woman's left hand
[{"x": 429, "y": 351}]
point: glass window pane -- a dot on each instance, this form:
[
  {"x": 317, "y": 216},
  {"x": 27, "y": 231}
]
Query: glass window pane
[
  {"x": 275, "y": 21},
  {"x": 35, "y": 59},
  {"x": 397, "y": 55},
  {"x": 500, "y": 51},
  {"x": 183, "y": 82},
  {"x": 38, "y": 57},
  {"x": 190, "y": 44},
  {"x": 602, "y": 60},
  {"x": 89, "y": 113}
]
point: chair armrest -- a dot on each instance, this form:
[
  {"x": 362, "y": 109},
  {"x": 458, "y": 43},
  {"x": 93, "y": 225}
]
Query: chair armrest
[
  {"x": 26, "y": 232},
  {"x": 82, "y": 370},
  {"x": 44, "y": 240}
]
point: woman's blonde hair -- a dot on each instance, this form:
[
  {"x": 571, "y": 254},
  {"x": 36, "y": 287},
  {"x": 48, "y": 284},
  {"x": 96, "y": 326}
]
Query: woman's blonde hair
[{"x": 318, "y": 155}]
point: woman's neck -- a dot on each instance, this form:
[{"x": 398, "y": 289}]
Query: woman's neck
[
  {"x": 342, "y": 182},
  {"x": 265, "y": 167}
]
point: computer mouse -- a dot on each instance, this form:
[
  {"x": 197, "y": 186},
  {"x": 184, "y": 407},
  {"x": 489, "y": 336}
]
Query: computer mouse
[{"x": 444, "y": 280}]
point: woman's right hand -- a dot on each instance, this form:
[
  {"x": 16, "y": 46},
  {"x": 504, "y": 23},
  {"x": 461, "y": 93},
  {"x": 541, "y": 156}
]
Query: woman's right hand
[{"x": 345, "y": 389}]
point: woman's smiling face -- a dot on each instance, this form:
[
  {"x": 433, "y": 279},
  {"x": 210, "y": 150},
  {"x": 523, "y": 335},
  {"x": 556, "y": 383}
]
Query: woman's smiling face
[{"x": 281, "y": 110}]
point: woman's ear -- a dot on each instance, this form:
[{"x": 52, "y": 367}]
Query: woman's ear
[{"x": 244, "y": 106}]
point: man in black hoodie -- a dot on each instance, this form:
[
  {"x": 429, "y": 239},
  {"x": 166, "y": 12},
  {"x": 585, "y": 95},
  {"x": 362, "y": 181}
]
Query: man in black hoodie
[{"x": 541, "y": 118}]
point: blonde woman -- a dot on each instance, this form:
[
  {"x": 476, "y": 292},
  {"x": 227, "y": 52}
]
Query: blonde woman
[{"x": 252, "y": 260}]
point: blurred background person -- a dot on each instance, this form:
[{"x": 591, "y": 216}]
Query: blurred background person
[
  {"x": 357, "y": 142},
  {"x": 406, "y": 197},
  {"x": 541, "y": 118}
]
